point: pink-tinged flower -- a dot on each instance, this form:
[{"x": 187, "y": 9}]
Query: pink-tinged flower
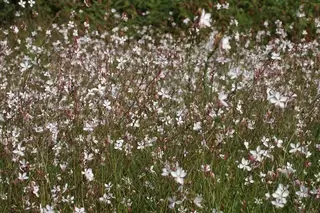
[
  {"x": 205, "y": 168},
  {"x": 35, "y": 188},
  {"x": 287, "y": 170},
  {"x": 178, "y": 175},
  {"x": 205, "y": 19},
  {"x": 222, "y": 97}
]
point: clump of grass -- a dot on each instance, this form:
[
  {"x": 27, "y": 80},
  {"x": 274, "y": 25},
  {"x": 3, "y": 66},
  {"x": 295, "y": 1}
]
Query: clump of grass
[{"x": 104, "y": 122}]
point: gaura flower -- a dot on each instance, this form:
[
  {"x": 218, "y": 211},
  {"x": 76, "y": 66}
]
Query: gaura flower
[
  {"x": 280, "y": 196},
  {"x": 178, "y": 175},
  {"x": 277, "y": 99},
  {"x": 205, "y": 19},
  {"x": 222, "y": 98},
  {"x": 225, "y": 43},
  {"x": 88, "y": 174}
]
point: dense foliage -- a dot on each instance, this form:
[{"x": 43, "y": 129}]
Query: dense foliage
[{"x": 251, "y": 14}]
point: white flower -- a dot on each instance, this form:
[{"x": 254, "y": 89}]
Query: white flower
[
  {"x": 244, "y": 165},
  {"x": 106, "y": 198},
  {"x": 304, "y": 192},
  {"x": 79, "y": 210},
  {"x": 22, "y": 3},
  {"x": 205, "y": 168},
  {"x": 107, "y": 105},
  {"x": 88, "y": 174},
  {"x": 225, "y": 6},
  {"x": 205, "y": 19},
  {"x": 275, "y": 56},
  {"x": 198, "y": 200},
  {"x": 280, "y": 196},
  {"x": 248, "y": 180},
  {"x": 19, "y": 150},
  {"x": 225, "y": 43},
  {"x": 222, "y": 97},
  {"x": 186, "y": 20},
  {"x": 173, "y": 201},
  {"x": 119, "y": 144},
  {"x": 287, "y": 170},
  {"x": 166, "y": 171},
  {"x": 295, "y": 148},
  {"x": 258, "y": 154},
  {"x": 31, "y": 2},
  {"x": 216, "y": 211},
  {"x": 276, "y": 98},
  {"x": 258, "y": 201},
  {"x": 235, "y": 72},
  {"x": 178, "y": 175},
  {"x": 25, "y": 65},
  {"x": 47, "y": 209},
  {"x": 35, "y": 188},
  {"x": 197, "y": 126},
  {"x": 267, "y": 195},
  {"x": 23, "y": 176},
  {"x": 317, "y": 176}
]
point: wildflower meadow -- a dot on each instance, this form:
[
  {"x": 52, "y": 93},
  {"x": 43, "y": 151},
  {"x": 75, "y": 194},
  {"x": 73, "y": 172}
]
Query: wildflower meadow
[{"x": 131, "y": 118}]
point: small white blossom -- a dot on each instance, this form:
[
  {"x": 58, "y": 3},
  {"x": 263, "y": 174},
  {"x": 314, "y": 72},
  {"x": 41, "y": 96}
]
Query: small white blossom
[
  {"x": 25, "y": 65},
  {"x": 197, "y": 200},
  {"x": 79, "y": 210},
  {"x": 173, "y": 202},
  {"x": 23, "y": 176},
  {"x": 166, "y": 171},
  {"x": 295, "y": 148},
  {"x": 22, "y": 3},
  {"x": 225, "y": 43},
  {"x": 205, "y": 19},
  {"x": 280, "y": 196},
  {"x": 275, "y": 56},
  {"x": 31, "y": 3},
  {"x": 244, "y": 165},
  {"x": 222, "y": 98},
  {"x": 197, "y": 126},
  {"x": 276, "y": 98},
  {"x": 88, "y": 174},
  {"x": 304, "y": 192},
  {"x": 178, "y": 175},
  {"x": 47, "y": 209}
]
